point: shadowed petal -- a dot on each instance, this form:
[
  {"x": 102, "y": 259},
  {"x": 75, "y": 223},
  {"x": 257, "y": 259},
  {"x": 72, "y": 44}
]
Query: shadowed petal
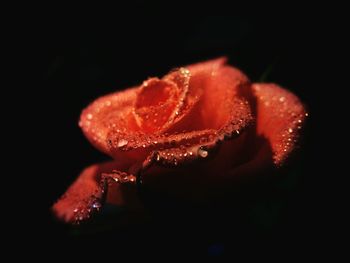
[
  {"x": 88, "y": 193},
  {"x": 280, "y": 118}
]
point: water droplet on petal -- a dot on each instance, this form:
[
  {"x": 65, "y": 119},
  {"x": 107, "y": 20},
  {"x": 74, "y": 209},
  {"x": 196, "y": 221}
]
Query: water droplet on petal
[
  {"x": 290, "y": 130},
  {"x": 96, "y": 205},
  {"x": 89, "y": 116},
  {"x": 122, "y": 142},
  {"x": 202, "y": 153}
]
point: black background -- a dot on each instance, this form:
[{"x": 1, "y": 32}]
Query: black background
[{"x": 292, "y": 46}]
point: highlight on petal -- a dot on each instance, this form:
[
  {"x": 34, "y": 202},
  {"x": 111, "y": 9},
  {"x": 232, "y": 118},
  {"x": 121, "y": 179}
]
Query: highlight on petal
[
  {"x": 88, "y": 193},
  {"x": 280, "y": 118}
]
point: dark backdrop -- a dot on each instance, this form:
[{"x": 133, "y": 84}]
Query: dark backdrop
[{"x": 290, "y": 48}]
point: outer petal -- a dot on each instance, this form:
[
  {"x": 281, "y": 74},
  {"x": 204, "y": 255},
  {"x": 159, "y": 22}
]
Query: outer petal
[
  {"x": 87, "y": 194},
  {"x": 280, "y": 118},
  {"x": 113, "y": 111}
]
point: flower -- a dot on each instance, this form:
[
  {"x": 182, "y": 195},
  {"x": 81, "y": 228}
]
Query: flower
[{"x": 193, "y": 133}]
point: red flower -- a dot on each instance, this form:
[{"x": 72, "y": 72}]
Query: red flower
[{"x": 194, "y": 133}]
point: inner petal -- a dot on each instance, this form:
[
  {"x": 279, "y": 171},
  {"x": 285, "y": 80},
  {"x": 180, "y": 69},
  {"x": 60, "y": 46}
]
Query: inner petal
[
  {"x": 159, "y": 102},
  {"x": 155, "y": 103},
  {"x": 155, "y": 92}
]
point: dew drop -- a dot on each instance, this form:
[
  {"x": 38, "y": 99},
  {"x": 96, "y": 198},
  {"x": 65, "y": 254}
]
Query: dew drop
[
  {"x": 96, "y": 205},
  {"x": 122, "y": 142},
  {"x": 89, "y": 116},
  {"x": 202, "y": 153},
  {"x": 290, "y": 130},
  {"x": 282, "y": 99}
]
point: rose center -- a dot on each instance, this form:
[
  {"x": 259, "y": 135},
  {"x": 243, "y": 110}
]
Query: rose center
[{"x": 159, "y": 101}]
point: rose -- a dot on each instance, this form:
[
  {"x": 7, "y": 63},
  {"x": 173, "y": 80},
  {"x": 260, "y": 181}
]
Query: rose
[{"x": 194, "y": 133}]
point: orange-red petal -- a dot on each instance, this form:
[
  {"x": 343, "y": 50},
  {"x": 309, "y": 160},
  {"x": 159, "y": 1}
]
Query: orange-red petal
[
  {"x": 112, "y": 111},
  {"x": 88, "y": 193},
  {"x": 280, "y": 119}
]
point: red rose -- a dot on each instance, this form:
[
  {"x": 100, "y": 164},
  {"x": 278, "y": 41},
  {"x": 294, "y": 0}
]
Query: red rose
[{"x": 193, "y": 133}]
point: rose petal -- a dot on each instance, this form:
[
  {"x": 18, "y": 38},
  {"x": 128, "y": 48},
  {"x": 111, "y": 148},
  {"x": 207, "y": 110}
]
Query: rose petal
[
  {"x": 157, "y": 103},
  {"x": 280, "y": 118},
  {"x": 113, "y": 111},
  {"x": 88, "y": 193},
  {"x": 212, "y": 82}
]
